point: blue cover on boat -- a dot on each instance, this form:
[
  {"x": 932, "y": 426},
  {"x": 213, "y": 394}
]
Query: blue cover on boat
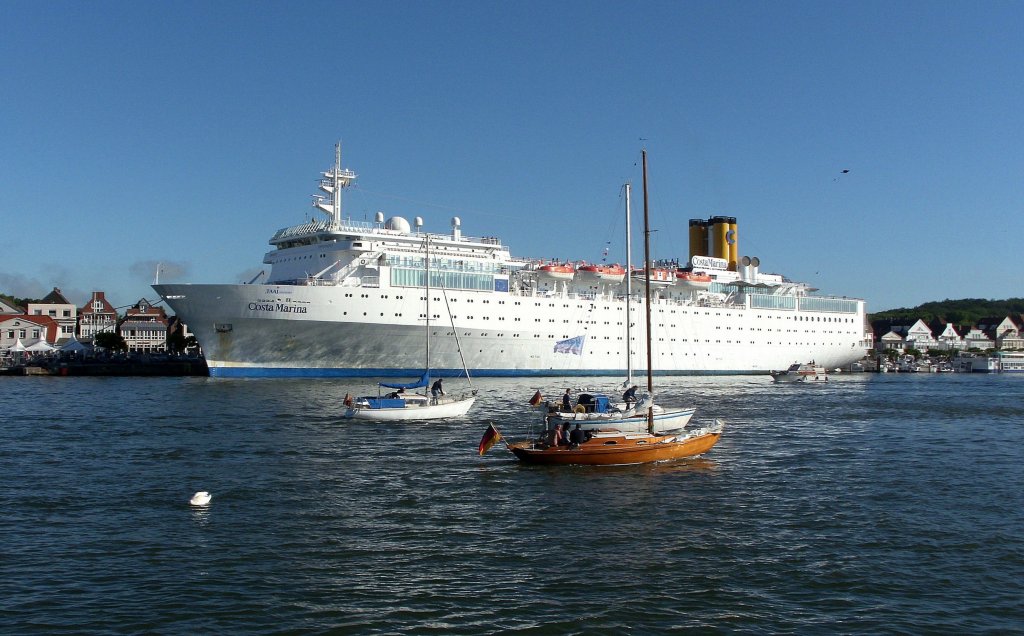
[
  {"x": 601, "y": 404},
  {"x": 424, "y": 381},
  {"x": 386, "y": 403}
]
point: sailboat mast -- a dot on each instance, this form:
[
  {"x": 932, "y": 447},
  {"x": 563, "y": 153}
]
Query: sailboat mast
[
  {"x": 647, "y": 297},
  {"x": 426, "y": 286},
  {"x": 629, "y": 289}
]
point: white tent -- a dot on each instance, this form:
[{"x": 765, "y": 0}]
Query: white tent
[
  {"x": 18, "y": 346},
  {"x": 40, "y": 345},
  {"x": 74, "y": 345}
]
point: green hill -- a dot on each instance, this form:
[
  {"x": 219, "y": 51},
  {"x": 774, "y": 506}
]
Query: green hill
[{"x": 967, "y": 311}]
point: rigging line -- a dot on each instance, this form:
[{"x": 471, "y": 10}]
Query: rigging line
[
  {"x": 661, "y": 225},
  {"x": 458, "y": 344},
  {"x": 612, "y": 231}
]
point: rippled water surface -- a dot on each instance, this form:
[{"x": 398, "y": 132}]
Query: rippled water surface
[{"x": 871, "y": 504}]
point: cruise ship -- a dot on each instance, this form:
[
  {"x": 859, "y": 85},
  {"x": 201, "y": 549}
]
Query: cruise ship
[{"x": 347, "y": 298}]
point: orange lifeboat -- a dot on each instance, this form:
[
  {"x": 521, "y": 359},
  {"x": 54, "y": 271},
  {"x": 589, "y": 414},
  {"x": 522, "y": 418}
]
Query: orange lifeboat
[
  {"x": 659, "y": 277},
  {"x": 603, "y": 273},
  {"x": 557, "y": 271},
  {"x": 693, "y": 280}
]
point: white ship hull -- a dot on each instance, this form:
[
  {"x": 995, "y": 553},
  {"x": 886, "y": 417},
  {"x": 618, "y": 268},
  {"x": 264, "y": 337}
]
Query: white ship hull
[{"x": 298, "y": 330}]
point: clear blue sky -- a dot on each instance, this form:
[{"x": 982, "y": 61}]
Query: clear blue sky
[{"x": 188, "y": 132}]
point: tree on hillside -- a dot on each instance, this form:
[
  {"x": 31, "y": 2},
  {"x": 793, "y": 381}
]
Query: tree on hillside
[{"x": 20, "y": 302}]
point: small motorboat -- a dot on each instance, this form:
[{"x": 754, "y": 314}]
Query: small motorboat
[{"x": 798, "y": 372}]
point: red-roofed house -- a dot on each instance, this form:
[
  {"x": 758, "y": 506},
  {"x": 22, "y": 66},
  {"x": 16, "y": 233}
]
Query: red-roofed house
[
  {"x": 28, "y": 329},
  {"x": 96, "y": 316},
  {"x": 145, "y": 327}
]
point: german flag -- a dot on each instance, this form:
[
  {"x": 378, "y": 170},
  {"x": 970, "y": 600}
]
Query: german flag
[
  {"x": 490, "y": 438},
  {"x": 536, "y": 399}
]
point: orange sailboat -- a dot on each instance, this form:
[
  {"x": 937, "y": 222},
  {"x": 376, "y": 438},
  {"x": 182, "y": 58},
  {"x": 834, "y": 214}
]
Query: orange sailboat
[{"x": 614, "y": 447}]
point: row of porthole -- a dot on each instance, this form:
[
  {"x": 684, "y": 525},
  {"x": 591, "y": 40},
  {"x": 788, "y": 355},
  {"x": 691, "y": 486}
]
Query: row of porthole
[{"x": 671, "y": 311}]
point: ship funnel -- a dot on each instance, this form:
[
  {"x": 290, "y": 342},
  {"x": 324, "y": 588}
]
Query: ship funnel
[
  {"x": 716, "y": 237},
  {"x": 723, "y": 239},
  {"x": 699, "y": 238},
  {"x": 456, "y": 228},
  {"x": 733, "y": 239}
]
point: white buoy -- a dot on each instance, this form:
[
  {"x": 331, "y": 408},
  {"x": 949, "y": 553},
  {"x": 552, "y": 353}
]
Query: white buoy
[{"x": 201, "y": 498}]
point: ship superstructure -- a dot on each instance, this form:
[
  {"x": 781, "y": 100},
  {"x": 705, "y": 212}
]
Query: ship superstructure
[{"x": 346, "y": 298}]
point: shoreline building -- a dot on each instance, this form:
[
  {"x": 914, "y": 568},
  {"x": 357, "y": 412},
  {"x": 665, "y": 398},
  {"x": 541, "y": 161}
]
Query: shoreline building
[
  {"x": 59, "y": 308},
  {"x": 96, "y": 316},
  {"x": 144, "y": 328}
]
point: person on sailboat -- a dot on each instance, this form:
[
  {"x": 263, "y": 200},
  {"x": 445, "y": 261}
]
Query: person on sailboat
[
  {"x": 566, "y": 401},
  {"x": 577, "y": 437},
  {"x": 629, "y": 397},
  {"x": 436, "y": 389},
  {"x": 565, "y": 434}
]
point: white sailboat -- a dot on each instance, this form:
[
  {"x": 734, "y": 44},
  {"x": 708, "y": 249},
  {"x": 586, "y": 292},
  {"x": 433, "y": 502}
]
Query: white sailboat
[
  {"x": 598, "y": 412},
  {"x": 434, "y": 403}
]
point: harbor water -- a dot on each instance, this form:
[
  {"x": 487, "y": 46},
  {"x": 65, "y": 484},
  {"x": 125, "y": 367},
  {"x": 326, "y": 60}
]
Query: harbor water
[{"x": 868, "y": 504}]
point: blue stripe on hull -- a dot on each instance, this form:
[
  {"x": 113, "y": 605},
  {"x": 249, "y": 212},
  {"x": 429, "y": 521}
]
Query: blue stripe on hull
[{"x": 316, "y": 372}]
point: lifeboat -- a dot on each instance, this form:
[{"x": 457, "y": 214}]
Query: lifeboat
[
  {"x": 603, "y": 273},
  {"x": 557, "y": 271},
  {"x": 659, "y": 277},
  {"x": 693, "y": 280}
]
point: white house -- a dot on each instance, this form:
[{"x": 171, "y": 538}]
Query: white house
[
  {"x": 919, "y": 336},
  {"x": 96, "y": 316},
  {"x": 145, "y": 327},
  {"x": 949, "y": 338},
  {"x": 891, "y": 340},
  {"x": 27, "y": 330},
  {"x": 1008, "y": 336},
  {"x": 56, "y": 306},
  {"x": 976, "y": 339}
]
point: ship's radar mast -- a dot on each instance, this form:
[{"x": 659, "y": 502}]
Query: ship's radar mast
[{"x": 333, "y": 182}]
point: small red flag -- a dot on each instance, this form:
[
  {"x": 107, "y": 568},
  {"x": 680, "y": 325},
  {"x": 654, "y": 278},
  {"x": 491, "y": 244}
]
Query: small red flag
[
  {"x": 490, "y": 438},
  {"x": 536, "y": 399}
]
